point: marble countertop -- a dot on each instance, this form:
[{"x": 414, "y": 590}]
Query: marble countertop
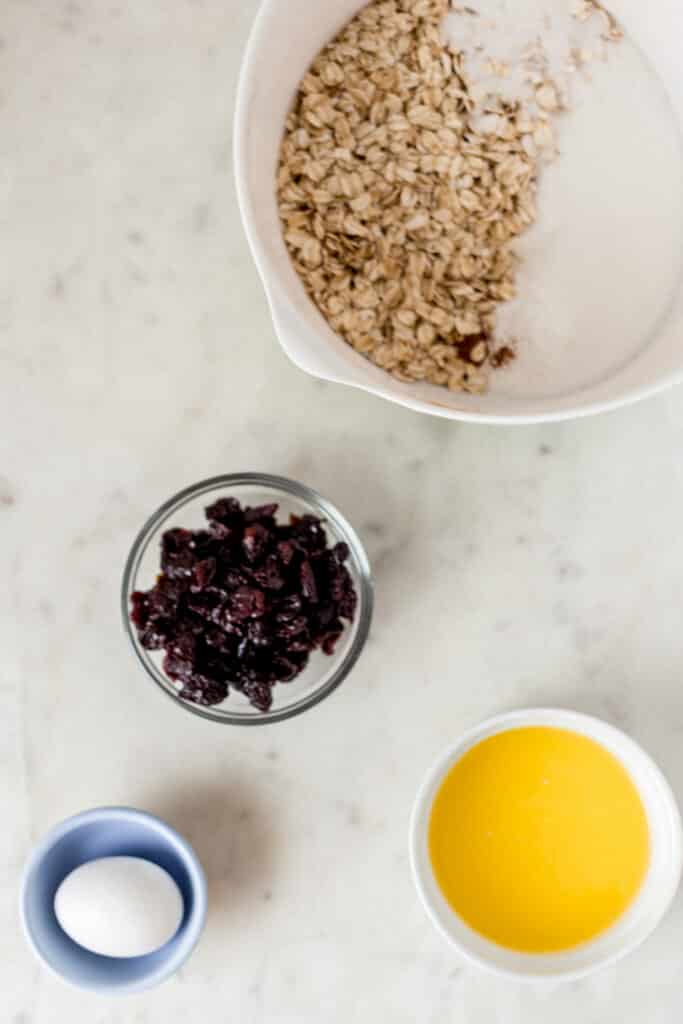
[{"x": 514, "y": 567}]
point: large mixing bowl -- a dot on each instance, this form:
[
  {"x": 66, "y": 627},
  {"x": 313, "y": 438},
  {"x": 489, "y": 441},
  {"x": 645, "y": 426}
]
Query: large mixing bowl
[{"x": 286, "y": 37}]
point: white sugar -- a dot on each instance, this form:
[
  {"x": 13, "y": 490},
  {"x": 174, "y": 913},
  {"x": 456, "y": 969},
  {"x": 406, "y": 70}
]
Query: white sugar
[{"x": 602, "y": 263}]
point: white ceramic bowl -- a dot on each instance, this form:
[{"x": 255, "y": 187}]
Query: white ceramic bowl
[
  {"x": 286, "y": 37},
  {"x": 642, "y": 917}
]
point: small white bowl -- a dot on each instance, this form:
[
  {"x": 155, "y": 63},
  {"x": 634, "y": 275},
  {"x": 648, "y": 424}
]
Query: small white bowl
[{"x": 642, "y": 917}]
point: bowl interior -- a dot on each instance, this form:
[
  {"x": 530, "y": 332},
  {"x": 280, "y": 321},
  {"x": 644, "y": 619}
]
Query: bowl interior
[
  {"x": 656, "y": 893},
  {"x": 267, "y": 87},
  {"x": 108, "y": 833},
  {"x": 323, "y": 672}
]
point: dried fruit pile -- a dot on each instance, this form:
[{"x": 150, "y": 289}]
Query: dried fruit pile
[{"x": 242, "y": 604}]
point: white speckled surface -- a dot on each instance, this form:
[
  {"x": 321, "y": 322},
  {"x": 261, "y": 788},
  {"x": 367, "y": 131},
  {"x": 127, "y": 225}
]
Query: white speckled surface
[{"x": 539, "y": 565}]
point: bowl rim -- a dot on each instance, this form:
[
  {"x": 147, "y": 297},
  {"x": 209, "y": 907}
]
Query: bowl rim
[
  {"x": 193, "y": 928},
  {"x": 317, "y": 504},
  {"x": 578, "y": 408},
  {"x": 601, "y": 732}
]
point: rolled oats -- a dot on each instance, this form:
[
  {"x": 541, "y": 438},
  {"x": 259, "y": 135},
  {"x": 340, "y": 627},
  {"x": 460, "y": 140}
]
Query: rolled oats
[{"x": 400, "y": 193}]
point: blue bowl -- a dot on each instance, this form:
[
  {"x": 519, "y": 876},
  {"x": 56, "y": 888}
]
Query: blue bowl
[{"x": 109, "y": 832}]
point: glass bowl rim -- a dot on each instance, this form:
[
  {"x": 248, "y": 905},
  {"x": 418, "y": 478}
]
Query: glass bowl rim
[{"x": 317, "y": 503}]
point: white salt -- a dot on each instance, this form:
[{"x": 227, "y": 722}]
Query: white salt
[{"x": 601, "y": 266}]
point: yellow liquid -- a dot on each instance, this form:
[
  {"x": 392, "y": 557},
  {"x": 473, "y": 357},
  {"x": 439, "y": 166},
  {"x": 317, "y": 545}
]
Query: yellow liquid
[{"x": 538, "y": 839}]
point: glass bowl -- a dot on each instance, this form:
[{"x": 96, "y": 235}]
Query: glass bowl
[{"x": 323, "y": 673}]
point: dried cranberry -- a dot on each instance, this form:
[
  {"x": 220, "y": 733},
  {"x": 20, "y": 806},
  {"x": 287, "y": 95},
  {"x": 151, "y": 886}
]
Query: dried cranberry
[
  {"x": 347, "y": 605},
  {"x": 176, "y": 667},
  {"x": 203, "y": 691},
  {"x": 269, "y": 576},
  {"x": 139, "y": 613},
  {"x": 341, "y": 551},
  {"x": 216, "y": 637},
  {"x": 215, "y": 664},
  {"x": 309, "y": 587},
  {"x": 255, "y": 541},
  {"x": 340, "y": 582},
  {"x": 177, "y": 552},
  {"x": 203, "y": 573},
  {"x": 286, "y": 552},
  {"x": 300, "y": 645},
  {"x": 259, "y": 693},
  {"x": 226, "y": 510},
  {"x": 154, "y": 635},
  {"x": 325, "y": 614},
  {"x": 241, "y": 605},
  {"x": 294, "y": 627},
  {"x": 207, "y": 605},
  {"x": 329, "y": 641},
  {"x": 183, "y": 644},
  {"x": 232, "y": 578},
  {"x": 163, "y": 599},
  {"x": 236, "y": 628},
  {"x": 289, "y": 608},
  {"x": 203, "y": 539},
  {"x": 259, "y": 633},
  {"x": 220, "y": 531},
  {"x": 309, "y": 532},
  {"x": 260, "y": 513},
  {"x": 244, "y": 603}
]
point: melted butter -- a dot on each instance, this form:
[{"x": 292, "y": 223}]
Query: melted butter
[{"x": 538, "y": 839}]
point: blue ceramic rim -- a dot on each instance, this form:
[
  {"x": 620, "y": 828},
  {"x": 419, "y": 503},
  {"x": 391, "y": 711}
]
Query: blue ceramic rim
[{"x": 195, "y": 923}]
